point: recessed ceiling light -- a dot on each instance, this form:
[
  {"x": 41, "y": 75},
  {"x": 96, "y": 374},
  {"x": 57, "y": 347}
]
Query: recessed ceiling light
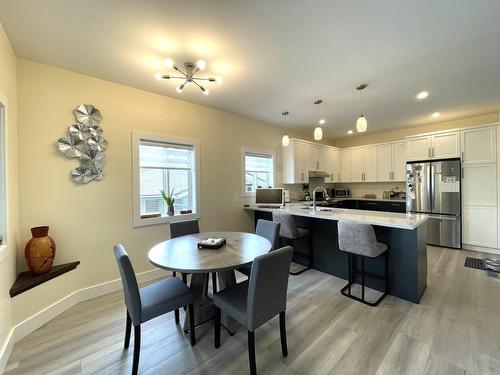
[
  {"x": 349, "y": 132},
  {"x": 422, "y": 95},
  {"x": 322, "y": 121},
  {"x": 436, "y": 114}
]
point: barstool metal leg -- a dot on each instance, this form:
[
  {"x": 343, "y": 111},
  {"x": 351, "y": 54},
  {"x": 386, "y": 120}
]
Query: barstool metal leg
[{"x": 363, "y": 279}]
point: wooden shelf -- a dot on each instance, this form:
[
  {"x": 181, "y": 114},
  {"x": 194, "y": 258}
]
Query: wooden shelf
[{"x": 26, "y": 280}]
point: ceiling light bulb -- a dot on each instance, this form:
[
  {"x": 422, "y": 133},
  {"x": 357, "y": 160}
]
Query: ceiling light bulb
[
  {"x": 349, "y": 132},
  {"x": 318, "y": 133},
  {"x": 158, "y": 76},
  {"x": 201, "y": 64},
  {"x": 169, "y": 63},
  {"x": 219, "y": 79},
  {"x": 206, "y": 92},
  {"x": 422, "y": 95},
  {"x": 322, "y": 121},
  {"x": 180, "y": 88},
  {"x": 361, "y": 124},
  {"x": 436, "y": 114},
  {"x": 285, "y": 141}
]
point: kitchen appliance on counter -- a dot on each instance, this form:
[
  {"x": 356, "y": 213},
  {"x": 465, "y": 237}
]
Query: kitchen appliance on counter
[
  {"x": 340, "y": 193},
  {"x": 269, "y": 198},
  {"x": 433, "y": 188}
]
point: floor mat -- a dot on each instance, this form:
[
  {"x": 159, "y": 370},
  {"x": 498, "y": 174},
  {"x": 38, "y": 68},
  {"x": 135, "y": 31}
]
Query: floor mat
[{"x": 486, "y": 264}]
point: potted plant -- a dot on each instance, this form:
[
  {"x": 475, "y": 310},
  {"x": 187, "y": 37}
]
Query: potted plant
[{"x": 169, "y": 200}]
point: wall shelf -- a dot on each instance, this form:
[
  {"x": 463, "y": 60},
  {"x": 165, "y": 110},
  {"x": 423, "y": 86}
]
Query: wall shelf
[{"x": 26, "y": 280}]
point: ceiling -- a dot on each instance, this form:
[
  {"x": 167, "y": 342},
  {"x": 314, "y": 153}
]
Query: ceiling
[{"x": 277, "y": 55}]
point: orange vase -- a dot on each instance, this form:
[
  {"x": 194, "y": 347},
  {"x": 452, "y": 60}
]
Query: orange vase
[{"x": 40, "y": 251}]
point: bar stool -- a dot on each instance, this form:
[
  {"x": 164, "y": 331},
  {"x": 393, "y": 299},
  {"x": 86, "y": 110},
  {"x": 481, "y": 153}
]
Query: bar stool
[
  {"x": 290, "y": 232},
  {"x": 360, "y": 240}
]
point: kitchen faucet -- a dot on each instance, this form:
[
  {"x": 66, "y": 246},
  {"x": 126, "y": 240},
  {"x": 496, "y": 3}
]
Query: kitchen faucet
[{"x": 314, "y": 195}]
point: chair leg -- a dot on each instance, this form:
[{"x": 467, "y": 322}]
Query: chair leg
[
  {"x": 174, "y": 274},
  {"x": 127, "y": 331},
  {"x": 137, "y": 349},
  {"x": 251, "y": 353},
  {"x": 177, "y": 318},
  {"x": 191, "y": 325},
  {"x": 217, "y": 328},
  {"x": 349, "y": 261},
  {"x": 184, "y": 278},
  {"x": 363, "y": 278},
  {"x": 284, "y": 347},
  {"x": 214, "y": 283}
]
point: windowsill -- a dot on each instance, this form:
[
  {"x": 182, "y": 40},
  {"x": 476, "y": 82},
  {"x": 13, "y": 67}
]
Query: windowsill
[
  {"x": 165, "y": 219},
  {"x": 3, "y": 253}
]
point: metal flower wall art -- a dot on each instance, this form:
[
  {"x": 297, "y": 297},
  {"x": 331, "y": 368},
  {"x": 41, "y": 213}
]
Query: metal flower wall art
[{"x": 84, "y": 141}]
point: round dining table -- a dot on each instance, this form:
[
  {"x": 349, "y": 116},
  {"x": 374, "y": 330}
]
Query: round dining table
[{"x": 181, "y": 254}]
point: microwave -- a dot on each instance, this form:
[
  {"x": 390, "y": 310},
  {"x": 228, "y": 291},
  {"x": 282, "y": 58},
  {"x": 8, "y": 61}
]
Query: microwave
[{"x": 340, "y": 193}]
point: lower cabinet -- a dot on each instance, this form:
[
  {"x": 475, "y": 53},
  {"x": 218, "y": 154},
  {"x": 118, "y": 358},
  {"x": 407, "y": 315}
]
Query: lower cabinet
[
  {"x": 479, "y": 226},
  {"x": 384, "y": 206}
]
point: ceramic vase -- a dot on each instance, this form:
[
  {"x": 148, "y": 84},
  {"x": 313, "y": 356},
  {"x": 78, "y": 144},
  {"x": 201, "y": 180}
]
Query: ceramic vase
[{"x": 40, "y": 251}]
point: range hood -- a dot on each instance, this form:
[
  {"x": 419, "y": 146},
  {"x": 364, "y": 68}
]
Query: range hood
[{"x": 318, "y": 174}]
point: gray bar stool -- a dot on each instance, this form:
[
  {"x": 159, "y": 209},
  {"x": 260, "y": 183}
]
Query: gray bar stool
[
  {"x": 291, "y": 233},
  {"x": 360, "y": 240}
]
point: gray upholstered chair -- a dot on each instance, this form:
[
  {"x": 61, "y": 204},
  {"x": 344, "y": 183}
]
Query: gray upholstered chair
[
  {"x": 291, "y": 233},
  {"x": 267, "y": 229},
  {"x": 178, "y": 229},
  {"x": 360, "y": 240},
  {"x": 255, "y": 301},
  {"x": 153, "y": 300}
]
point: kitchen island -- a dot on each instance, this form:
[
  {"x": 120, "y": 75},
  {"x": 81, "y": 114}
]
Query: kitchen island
[{"x": 404, "y": 233}]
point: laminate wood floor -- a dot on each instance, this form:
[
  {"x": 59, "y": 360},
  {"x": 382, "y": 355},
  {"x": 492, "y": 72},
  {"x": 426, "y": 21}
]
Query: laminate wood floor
[{"x": 454, "y": 330}]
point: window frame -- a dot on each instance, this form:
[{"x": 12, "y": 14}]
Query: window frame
[
  {"x": 244, "y": 151},
  {"x": 137, "y": 137},
  {"x": 4, "y": 225}
]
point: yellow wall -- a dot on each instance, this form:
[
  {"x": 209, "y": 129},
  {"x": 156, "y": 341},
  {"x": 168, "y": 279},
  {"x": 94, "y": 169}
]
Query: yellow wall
[
  {"x": 87, "y": 220},
  {"x": 8, "y": 265},
  {"x": 394, "y": 135}
]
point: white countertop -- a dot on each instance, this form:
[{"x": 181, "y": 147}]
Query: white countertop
[
  {"x": 359, "y": 199},
  {"x": 382, "y": 219}
]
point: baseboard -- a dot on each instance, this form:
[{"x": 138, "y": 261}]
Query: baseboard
[
  {"x": 44, "y": 316},
  {"x": 482, "y": 249}
]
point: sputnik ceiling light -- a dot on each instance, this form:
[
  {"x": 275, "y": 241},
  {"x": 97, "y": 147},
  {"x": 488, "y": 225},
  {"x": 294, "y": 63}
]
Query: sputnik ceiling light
[
  {"x": 285, "y": 140},
  {"x": 318, "y": 132},
  {"x": 361, "y": 123},
  {"x": 188, "y": 75}
]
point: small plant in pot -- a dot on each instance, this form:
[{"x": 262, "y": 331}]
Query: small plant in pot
[{"x": 169, "y": 200}]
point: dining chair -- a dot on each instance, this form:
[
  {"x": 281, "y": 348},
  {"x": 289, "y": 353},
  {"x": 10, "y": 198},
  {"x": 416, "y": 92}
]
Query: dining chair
[
  {"x": 255, "y": 301},
  {"x": 178, "y": 229},
  {"x": 153, "y": 300},
  {"x": 267, "y": 229}
]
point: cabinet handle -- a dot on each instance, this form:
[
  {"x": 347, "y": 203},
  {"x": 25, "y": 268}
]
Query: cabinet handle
[
  {"x": 302, "y": 176},
  {"x": 429, "y": 152},
  {"x": 462, "y": 156},
  {"x": 317, "y": 165},
  {"x": 462, "y": 173},
  {"x": 339, "y": 176}
]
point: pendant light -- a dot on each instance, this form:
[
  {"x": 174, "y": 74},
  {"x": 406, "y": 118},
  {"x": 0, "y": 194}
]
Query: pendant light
[
  {"x": 285, "y": 140},
  {"x": 361, "y": 123},
  {"x": 318, "y": 132}
]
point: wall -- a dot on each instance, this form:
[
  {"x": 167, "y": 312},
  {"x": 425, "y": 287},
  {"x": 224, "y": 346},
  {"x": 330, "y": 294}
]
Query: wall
[
  {"x": 398, "y": 134},
  {"x": 87, "y": 220},
  {"x": 8, "y": 256}
]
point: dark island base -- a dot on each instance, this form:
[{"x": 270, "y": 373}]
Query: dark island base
[{"x": 407, "y": 255}]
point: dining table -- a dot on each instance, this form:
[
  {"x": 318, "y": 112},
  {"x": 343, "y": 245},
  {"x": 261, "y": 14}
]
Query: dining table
[{"x": 183, "y": 255}]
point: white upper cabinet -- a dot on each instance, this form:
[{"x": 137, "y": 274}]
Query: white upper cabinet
[
  {"x": 345, "y": 158},
  {"x": 479, "y": 145},
  {"x": 436, "y": 146},
  {"x": 391, "y": 161},
  {"x": 333, "y": 165},
  {"x": 363, "y": 164},
  {"x": 311, "y": 157},
  {"x": 323, "y": 158},
  {"x": 357, "y": 164},
  {"x": 295, "y": 157},
  {"x": 370, "y": 163}
]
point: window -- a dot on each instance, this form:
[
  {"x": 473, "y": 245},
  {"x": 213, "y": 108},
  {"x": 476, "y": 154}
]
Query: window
[
  {"x": 258, "y": 170},
  {"x": 3, "y": 200},
  {"x": 168, "y": 164}
]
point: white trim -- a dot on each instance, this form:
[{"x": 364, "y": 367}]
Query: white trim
[
  {"x": 482, "y": 249},
  {"x": 3, "y": 253},
  {"x": 4, "y": 136},
  {"x": 42, "y": 317},
  {"x": 244, "y": 150},
  {"x": 136, "y": 203}
]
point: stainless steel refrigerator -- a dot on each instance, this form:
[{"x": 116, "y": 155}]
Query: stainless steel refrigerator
[{"x": 433, "y": 188}]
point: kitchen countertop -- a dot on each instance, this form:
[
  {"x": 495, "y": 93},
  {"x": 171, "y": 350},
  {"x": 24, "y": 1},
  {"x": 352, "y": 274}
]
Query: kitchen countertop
[
  {"x": 360, "y": 199},
  {"x": 383, "y": 219}
]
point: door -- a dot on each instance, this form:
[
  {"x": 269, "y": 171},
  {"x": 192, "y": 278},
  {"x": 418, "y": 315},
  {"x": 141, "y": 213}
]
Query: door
[
  {"x": 418, "y": 148},
  {"x": 480, "y": 226},
  {"x": 322, "y": 159},
  {"x": 445, "y": 186},
  {"x": 384, "y": 162},
  {"x": 312, "y": 158},
  {"x": 445, "y": 145},
  {"x": 346, "y": 165},
  {"x": 399, "y": 161},
  {"x": 419, "y": 187},
  {"x": 479, "y": 146},
  {"x": 370, "y": 163},
  {"x": 444, "y": 230},
  {"x": 357, "y": 164},
  {"x": 335, "y": 155}
]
